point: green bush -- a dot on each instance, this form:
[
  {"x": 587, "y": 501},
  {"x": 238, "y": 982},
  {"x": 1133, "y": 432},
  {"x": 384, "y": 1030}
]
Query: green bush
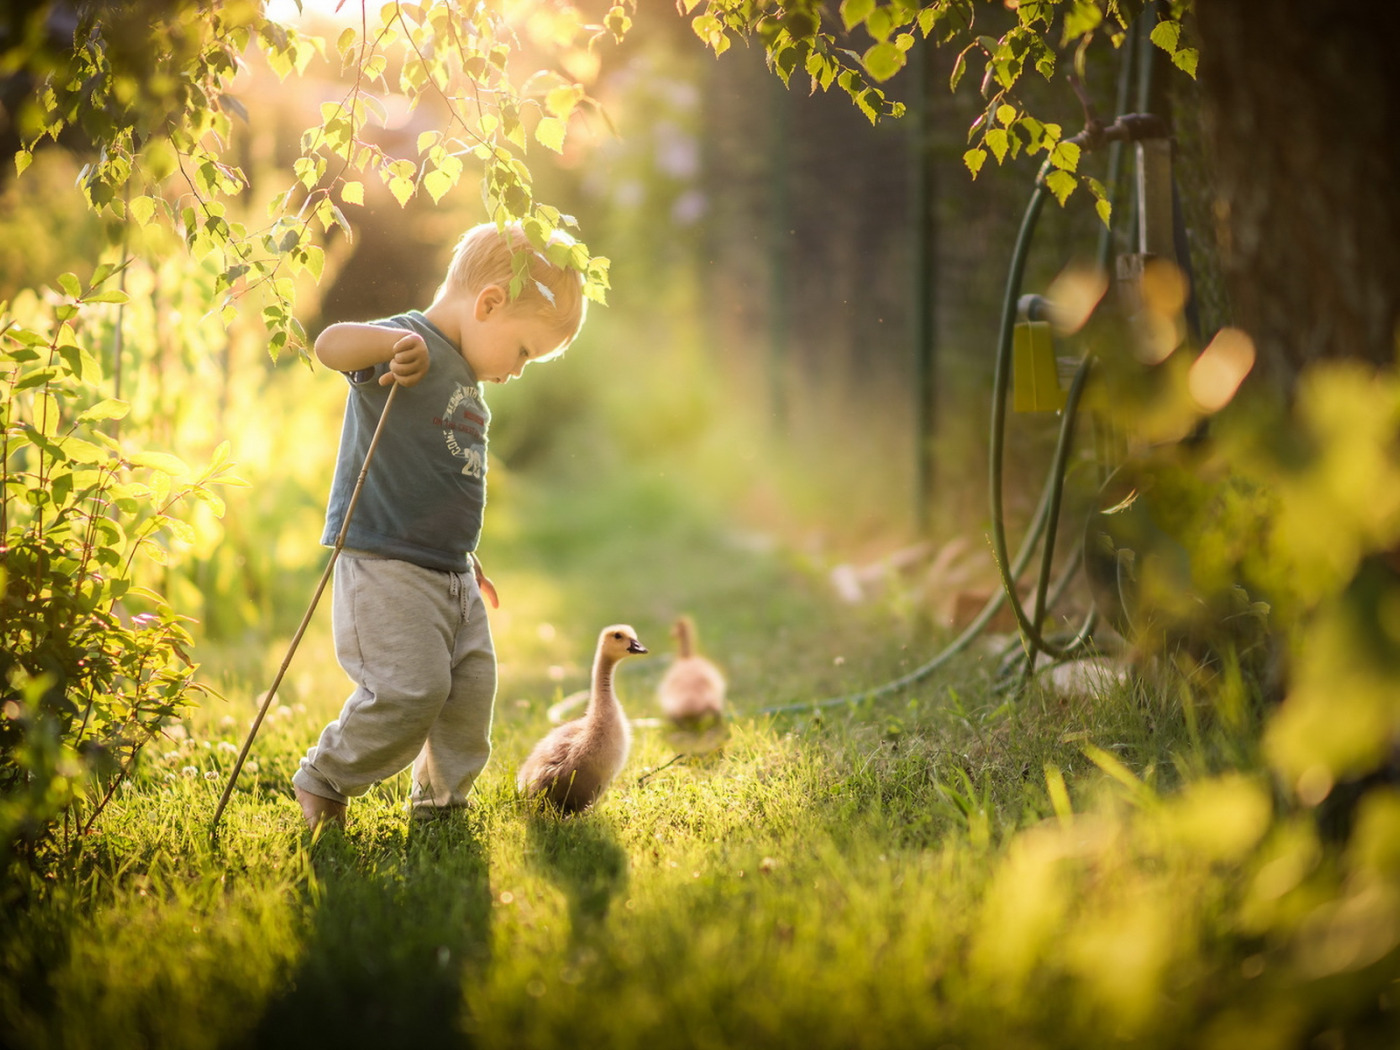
[{"x": 91, "y": 660}]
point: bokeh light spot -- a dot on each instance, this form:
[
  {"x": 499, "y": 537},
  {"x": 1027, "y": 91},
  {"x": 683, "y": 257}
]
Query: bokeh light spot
[
  {"x": 1217, "y": 374},
  {"x": 1074, "y": 294}
]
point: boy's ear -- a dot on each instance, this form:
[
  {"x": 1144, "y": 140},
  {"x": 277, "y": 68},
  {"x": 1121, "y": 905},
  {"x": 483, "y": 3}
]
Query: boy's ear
[{"x": 490, "y": 299}]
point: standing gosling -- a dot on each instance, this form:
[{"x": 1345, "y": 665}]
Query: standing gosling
[
  {"x": 692, "y": 691},
  {"x": 573, "y": 765}
]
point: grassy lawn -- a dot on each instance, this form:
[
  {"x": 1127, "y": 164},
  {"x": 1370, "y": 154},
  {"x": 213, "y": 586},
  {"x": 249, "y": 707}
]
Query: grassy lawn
[{"x": 947, "y": 866}]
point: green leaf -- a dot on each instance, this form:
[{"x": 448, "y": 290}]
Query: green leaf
[
  {"x": 1065, "y": 154},
  {"x": 305, "y": 170},
  {"x": 562, "y": 100},
  {"x": 107, "y": 408},
  {"x": 46, "y": 415},
  {"x": 76, "y": 450},
  {"x": 880, "y": 23},
  {"x": 180, "y": 531},
  {"x": 402, "y": 189},
  {"x": 22, "y": 160},
  {"x": 159, "y": 159},
  {"x": 1185, "y": 60},
  {"x": 80, "y": 363},
  {"x": 37, "y": 378},
  {"x": 437, "y": 183},
  {"x": 62, "y": 486},
  {"x": 69, "y": 283},
  {"x": 340, "y": 220},
  {"x": 1084, "y": 16},
  {"x": 974, "y": 159},
  {"x": 164, "y": 462},
  {"x": 959, "y": 68},
  {"x": 142, "y": 209},
  {"x": 352, "y": 192},
  {"x": 998, "y": 141},
  {"x": 883, "y": 61},
  {"x": 1166, "y": 35},
  {"x": 1061, "y": 184},
  {"x": 216, "y": 503},
  {"x": 550, "y": 133},
  {"x": 315, "y": 260},
  {"x": 865, "y": 102},
  {"x": 854, "y": 12}
]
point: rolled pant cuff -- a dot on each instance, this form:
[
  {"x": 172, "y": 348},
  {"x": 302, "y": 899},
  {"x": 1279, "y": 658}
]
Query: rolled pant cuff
[{"x": 310, "y": 782}]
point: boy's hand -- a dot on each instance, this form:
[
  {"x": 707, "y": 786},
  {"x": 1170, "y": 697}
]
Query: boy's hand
[{"x": 409, "y": 363}]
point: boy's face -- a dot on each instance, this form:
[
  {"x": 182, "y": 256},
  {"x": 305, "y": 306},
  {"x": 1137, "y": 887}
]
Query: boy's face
[{"x": 498, "y": 341}]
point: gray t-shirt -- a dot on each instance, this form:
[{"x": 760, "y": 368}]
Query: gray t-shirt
[{"x": 425, "y": 490}]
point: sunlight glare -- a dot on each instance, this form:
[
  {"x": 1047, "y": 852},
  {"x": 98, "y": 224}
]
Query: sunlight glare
[
  {"x": 1221, "y": 368},
  {"x": 1160, "y": 326},
  {"x": 1164, "y": 288},
  {"x": 1074, "y": 295},
  {"x": 343, "y": 12}
]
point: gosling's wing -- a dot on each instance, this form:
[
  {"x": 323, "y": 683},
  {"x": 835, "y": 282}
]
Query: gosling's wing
[{"x": 549, "y": 759}]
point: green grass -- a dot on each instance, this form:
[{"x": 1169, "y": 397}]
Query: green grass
[{"x": 882, "y": 874}]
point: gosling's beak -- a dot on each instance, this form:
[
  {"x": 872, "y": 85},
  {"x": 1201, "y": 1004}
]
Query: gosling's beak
[{"x": 635, "y": 646}]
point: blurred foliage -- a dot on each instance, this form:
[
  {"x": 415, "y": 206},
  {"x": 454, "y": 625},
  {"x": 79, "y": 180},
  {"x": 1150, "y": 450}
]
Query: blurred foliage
[
  {"x": 92, "y": 660},
  {"x": 802, "y": 37},
  {"x": 1244, "y": 527},
  {"x": 152, "y": 95}
]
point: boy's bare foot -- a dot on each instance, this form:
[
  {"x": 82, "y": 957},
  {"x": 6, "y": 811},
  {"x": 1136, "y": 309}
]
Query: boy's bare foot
[{"x": 318, "y": 810}]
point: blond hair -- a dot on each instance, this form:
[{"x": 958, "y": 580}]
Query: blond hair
[{"x": 485, "y": 255}]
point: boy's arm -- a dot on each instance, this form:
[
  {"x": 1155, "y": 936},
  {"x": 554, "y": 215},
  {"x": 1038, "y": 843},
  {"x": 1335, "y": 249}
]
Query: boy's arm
[{"x": 348, "y": 347}]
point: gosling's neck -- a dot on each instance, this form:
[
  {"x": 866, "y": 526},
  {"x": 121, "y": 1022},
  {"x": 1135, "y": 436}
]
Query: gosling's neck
[
  {"x": 603, "y": 700},
  {"x": 685, "y": 643}
]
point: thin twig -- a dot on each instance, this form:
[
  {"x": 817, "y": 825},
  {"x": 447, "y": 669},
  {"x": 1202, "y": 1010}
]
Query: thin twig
[{"x": 651, "y": 773}]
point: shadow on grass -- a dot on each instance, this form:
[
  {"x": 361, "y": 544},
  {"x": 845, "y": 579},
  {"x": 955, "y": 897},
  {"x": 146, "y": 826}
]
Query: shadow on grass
[
  {"x": 579, "y": 855},
  {"x": 398, "y": 924}
]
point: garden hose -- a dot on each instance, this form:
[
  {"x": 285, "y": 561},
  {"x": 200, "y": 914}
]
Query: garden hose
[
  {"x": 1129, "y": 127},
  {"x": 968, "y": 636},
  {"x": 1041, "y": 521}
]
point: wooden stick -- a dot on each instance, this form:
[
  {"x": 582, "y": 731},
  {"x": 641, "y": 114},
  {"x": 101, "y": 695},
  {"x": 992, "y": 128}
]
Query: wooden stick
[{"x": 305, "y": 620}]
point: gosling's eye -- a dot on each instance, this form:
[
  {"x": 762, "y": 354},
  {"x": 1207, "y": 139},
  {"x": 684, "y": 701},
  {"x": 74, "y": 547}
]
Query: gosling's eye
[{"x": 617, "y": 635}]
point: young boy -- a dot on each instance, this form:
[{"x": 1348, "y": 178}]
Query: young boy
[{"x": 409, "y": 622}]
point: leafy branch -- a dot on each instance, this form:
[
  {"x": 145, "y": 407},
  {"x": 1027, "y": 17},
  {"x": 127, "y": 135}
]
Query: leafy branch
[{"x": 869, "y": 43}]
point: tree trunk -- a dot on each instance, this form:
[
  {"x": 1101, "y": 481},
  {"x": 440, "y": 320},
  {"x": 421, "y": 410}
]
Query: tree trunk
[{"x": 1302, "y": 118}]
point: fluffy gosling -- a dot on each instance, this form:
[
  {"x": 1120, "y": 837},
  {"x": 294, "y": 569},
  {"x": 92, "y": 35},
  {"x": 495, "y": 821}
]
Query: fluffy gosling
[
  {"x": 573, "y": 765},
  {"x": 691, "y": 692}
]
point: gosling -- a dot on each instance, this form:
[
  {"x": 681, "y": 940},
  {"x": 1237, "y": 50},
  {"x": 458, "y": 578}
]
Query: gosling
[
  {"x": 572, "y": 766},
  {"x": 691, "y": 692}
]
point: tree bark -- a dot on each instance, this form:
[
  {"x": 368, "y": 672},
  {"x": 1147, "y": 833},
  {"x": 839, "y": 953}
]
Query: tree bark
[{"x": 1301, "y": 112}]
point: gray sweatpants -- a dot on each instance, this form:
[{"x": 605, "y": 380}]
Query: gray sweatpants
[{"x": 417, "y": 645}]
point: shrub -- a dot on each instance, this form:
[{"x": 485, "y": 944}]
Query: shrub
[{"x": 92, "y": 662}]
